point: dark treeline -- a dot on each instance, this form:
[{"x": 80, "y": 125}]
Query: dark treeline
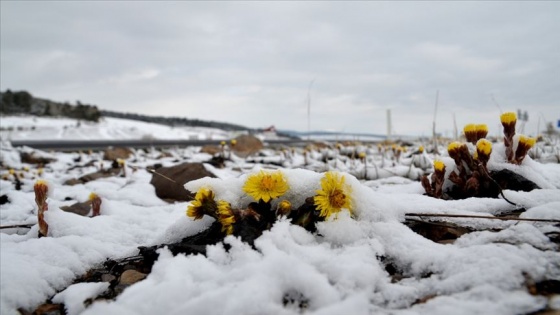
[
  {"x": 23, "y": 103},
  {"x": 175, "y": 121}
]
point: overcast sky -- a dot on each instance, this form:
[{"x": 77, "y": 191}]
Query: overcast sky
[{"x": 252, "y": 63}]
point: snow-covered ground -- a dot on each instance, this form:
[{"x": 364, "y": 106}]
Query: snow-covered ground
[{"x": 340, "y": 269}]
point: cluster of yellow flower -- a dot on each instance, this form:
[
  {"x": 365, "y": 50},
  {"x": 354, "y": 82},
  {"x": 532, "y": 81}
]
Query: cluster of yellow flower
[
  {"x": 263, "y": 187},
  {"x": 25, "y": 172},
  {"x": 524, "y": 143},
  {"x": 471, "y": 171}
]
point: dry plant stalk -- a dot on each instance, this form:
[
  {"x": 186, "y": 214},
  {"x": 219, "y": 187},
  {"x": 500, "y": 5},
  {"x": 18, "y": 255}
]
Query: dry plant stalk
[
  {"x": 509, "y": 120},
  {"x": 435, "y": 188},
  {"x": 95, "y": 204},
  {"x": 41, "y": 191}
]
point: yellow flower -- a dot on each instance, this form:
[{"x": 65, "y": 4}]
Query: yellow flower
[
  {"x": 508, "y": 118},
  {"x": 92, "y": 196},
  {"x": 523, "y": 146},
  {"x": 202, "y": 204},
  {"x": 483, "y": 147},
  {"x": 453, "y": 149},
  {"x": 421, "y": 149},
  {"x": 333, "y": 195},
  {"x": 362, "y": 155},
  {"x": 439, "y": 166},
  {"x": 222, "y": 143},
  {"x": 226, "y": 217},
  {"x": 481, "y": 131},
  {"x": 266, "y": 185},
  {"x": 121, "y": 162},
  {"x": 41, "y": 182},
  {"x": 233, "y": 142},
  {"x": 284, "y": 207},
  {"x": 527, "y": 141},
  {"x": 483, "y": 150},
  {"x": 469, "y": 128},
  {"x": 470, "y": 133},
  {"x": 481, "y": 128}
]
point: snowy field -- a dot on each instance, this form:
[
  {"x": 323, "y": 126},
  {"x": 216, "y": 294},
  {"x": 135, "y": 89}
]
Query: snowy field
[
  {"x": 369, "y": 262},
  {"x": 108, "y": 128}
]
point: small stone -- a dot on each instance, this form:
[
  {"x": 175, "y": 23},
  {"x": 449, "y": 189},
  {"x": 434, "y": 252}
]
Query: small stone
[
  {"x": 173, "y": 189},
  {"x": 117, "y": 153},
  {"x": 247, "y": 145},
  {"x": 80, "y": 208},
  {"x": 211, "y": 149},
  {"x": 131, "y": 276},
  {"x": 108, "y": 278}
]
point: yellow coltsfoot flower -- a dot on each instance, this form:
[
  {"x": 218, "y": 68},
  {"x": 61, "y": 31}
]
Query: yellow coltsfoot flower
[
  {"x": 508, "y": 122},
  {"x": 481, "y": 131},
  {"x": 202, "y": 204},
  {"x": 226, "y": 217},
  {"x": 470, "y": 133},
  {"x": 524, "y": 144},
  {"x": 439, "y": 166},
  {"x": 284, "y": 208},
  {"x": 95, "y": 204},
  {"x": 508, "y": 118},
  {"x": 333, "y": 196},
  {"x": 266, "y": 186},
  {"x": 483, "y": 151},
  {"x": 454, "y": 150}
]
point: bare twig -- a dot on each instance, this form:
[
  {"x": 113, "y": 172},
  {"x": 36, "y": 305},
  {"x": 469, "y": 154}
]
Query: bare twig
[
  {"x": 154, "y": 172},
  {"x": 26, "y": 226},
  {"x": 441, "y": 215}
]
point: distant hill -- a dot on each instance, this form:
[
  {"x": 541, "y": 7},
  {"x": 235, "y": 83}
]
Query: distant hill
[
  {"x": 22, "y": 102},
  {"x": 175, "y": 121}
]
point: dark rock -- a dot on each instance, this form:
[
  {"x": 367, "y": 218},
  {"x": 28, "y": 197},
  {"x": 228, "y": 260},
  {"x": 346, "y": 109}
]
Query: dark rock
[
  {"x": 194, "y": 244},
  {"x": 117, "y": 153},
  {"x": 4, "y": 199},
  {"x": 93, "y": 176},
  {"x": 33, "y": 158},
  {"x": 439, "y": 232},
  {"x": 247, "y": 145},
  {"x": 210, "y": 149},
  {"x": 513, "y": 181},
  {"x": 131, "y": 276},
  {"x": 108, "y": 278},
  {"x": 217, "y": 161},
  {"x": 169, "y": 181},
  {"x": 80, "y": 208}
]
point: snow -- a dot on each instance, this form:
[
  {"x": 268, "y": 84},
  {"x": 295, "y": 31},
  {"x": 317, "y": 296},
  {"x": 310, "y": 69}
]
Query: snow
[
  {"x": 75, "y": 295},
  {"x": 49, "y": 128},
  {"x": 339, "y": 269}
]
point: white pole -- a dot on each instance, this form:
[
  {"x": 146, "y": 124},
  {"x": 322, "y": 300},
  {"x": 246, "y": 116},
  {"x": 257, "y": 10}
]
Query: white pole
[{"x": 389, "y": 127}]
